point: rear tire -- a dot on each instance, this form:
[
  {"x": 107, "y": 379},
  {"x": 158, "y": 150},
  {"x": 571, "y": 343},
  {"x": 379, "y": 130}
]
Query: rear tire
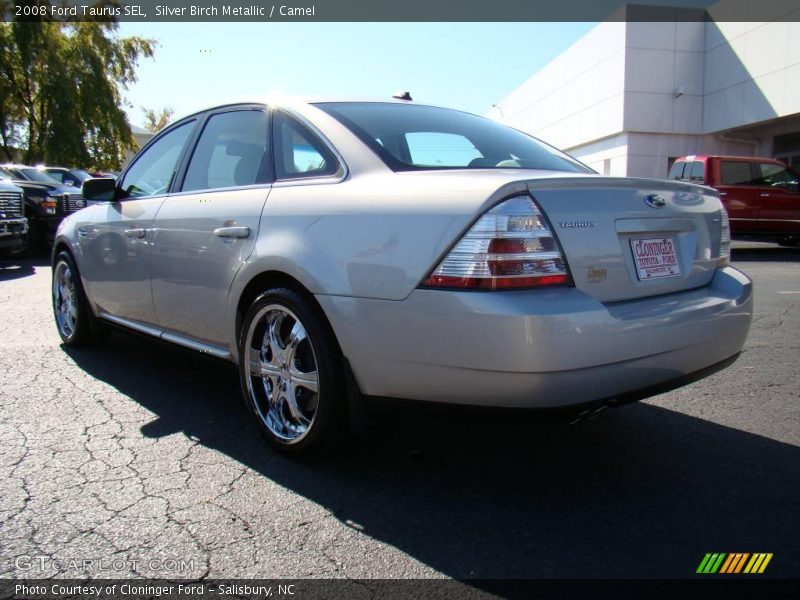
[
  {"x": 76, "y": 324},
  {"x": 290, "y": 367}
]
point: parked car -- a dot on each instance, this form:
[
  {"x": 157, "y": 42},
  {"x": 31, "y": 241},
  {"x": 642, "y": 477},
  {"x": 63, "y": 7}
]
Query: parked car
[
  {"x": 47, "y": 202},
  {"x": 761, "y": 195},
  {"x": 338, "y": 251},
  {"x": 112, "y": 174},
  {"x": 13, "y": 224},
  {"x": 73, "y": 177}
]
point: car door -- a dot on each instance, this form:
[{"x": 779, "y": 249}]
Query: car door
[
  {"x": 209, "y": 226},
  {"x": 739, "y": 193},
  {"x": 116, "y": 243},
  {"x": 780, "y": 206}
]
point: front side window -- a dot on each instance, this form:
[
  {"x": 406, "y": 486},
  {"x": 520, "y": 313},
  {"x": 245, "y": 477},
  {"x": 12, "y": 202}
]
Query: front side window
[
  {"x": 232, "y": 151},
  {"x": 775, "y": 175},
  {"x": 300, "y": 152},
  {"x": 152, "y": 172},
  {"x": 415, "y": 137},
  {"x": 735, "y": 172}
]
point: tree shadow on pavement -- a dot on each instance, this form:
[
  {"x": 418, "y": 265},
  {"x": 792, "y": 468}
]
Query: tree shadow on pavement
[{"x": 641, "y": 491}]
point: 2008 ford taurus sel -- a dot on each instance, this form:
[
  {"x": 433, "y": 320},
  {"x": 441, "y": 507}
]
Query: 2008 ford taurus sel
[{"x": 338, "y": 250}]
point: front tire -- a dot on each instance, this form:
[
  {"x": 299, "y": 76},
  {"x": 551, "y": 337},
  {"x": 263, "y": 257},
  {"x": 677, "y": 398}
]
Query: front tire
[
  {"x": 291, "y": 372},
  {"x": 76, "y": 324}
]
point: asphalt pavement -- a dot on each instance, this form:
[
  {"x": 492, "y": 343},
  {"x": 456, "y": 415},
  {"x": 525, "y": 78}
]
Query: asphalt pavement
[{"x": 139, "y": 458}]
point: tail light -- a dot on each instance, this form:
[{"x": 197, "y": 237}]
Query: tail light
[
  {"x": 509, "y": 247},
  {"x": 724, "y": 238}
]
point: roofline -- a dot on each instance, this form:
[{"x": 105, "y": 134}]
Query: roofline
[{"x": 726, "y": 156}]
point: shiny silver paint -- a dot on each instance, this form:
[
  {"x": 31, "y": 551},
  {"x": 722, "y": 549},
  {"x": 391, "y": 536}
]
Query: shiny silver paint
[{"x": 362, "y": 241}]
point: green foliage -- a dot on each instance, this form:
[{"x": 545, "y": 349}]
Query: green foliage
[
  {"x": 61, "y": 90},
  {"x": 156, "y": 121}
]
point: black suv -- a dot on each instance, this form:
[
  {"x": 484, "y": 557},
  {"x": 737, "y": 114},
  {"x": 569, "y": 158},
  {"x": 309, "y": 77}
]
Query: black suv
[{"x": 47, "y": 202}]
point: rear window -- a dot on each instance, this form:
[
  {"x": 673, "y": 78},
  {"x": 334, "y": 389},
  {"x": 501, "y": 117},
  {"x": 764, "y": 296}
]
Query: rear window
[
  {"x": 698, "y": 174},
  {"x": 676, "y": 172},
  {"x": 735, "y": 172},
  {"x": 413, "y": 137}
]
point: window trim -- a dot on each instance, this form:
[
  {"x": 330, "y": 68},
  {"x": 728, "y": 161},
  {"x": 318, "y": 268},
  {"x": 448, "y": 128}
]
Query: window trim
[{"x": 342, "y": 172}]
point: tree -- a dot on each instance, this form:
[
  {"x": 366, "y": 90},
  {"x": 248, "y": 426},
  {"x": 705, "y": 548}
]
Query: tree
[
  {"x": 61, "y": 90},
  {"x": 155, "y": 122}
]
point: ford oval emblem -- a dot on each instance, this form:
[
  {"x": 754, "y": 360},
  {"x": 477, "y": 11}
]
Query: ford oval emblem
[{"x": 654, "y": 201}]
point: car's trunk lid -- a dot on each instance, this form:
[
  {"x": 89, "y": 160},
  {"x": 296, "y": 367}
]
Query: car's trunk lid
[{"x": 627, "y": 238}]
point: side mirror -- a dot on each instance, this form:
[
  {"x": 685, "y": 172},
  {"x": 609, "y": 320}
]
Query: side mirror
[{"x": 101, "y": 189}]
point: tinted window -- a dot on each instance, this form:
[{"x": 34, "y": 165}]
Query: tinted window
[
  {"x": 425, "y": 137},
  {"x": 57, "y": 175},
  {"x": 299, "y": 152},
  {"x": 437, "y": 149},
  {"x": 36, "y": 175},
  {"x": 152, "y": 172},
  {"x": 772, "y": 174},
  {"x": 735, "y": 173},
  {"x": 698, "y": 171},
  {"x": 676, "y": 172},
  {"x": 232, "y": 151}
]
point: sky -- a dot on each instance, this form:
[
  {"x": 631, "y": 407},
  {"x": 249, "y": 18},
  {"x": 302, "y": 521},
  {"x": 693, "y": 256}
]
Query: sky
[{"x": 469, "y": 66}]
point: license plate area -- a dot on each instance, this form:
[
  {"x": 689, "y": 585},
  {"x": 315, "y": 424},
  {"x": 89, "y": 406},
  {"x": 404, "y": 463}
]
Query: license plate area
[{"x": 655, "y": 258}]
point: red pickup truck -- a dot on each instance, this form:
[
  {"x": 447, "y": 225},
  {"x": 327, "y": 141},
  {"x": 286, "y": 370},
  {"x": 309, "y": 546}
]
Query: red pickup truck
[{"x": 762, "y": 195}]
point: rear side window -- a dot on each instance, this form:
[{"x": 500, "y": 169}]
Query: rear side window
[
  {"x": 299, "y": 152},
  {"x": 232, "y": 151},
  {"x": 153, "y": 170},
  {"x": 698, "y": 174},
  {"x": 735, "y": 172}
]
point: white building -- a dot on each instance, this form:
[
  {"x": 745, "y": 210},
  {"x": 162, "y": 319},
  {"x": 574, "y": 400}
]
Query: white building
[{"x": 629, "y": 97}]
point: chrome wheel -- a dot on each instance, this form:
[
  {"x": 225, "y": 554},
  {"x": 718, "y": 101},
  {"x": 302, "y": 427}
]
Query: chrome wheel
[
  {"x": 281, "y": 373},
  {"x": 65, "y": 299}
]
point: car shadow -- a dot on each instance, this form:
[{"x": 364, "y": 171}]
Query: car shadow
[
  {"x": 16, "y": 268},
  {"x": 765, "y": 254},
  {"x": 641, "y": 491}
]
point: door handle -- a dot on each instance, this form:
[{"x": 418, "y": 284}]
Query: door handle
[
  {"x": 764, "y": 195},
  {"x": 136, "y": 233},
  {"x": 232, "y": 232}
]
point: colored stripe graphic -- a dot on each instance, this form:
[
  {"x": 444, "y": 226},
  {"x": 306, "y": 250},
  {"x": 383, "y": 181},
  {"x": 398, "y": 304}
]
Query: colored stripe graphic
[
  {"x": 734, "y": 562},
  {"x": 758, "y": 563},
  {"x": 711, "y": 562}
]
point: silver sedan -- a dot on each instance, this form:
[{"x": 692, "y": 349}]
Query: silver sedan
[{"x": 342, "y": 250}]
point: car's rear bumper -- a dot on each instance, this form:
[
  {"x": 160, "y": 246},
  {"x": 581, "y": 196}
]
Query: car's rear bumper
[{"x": 538, "y": 348}]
